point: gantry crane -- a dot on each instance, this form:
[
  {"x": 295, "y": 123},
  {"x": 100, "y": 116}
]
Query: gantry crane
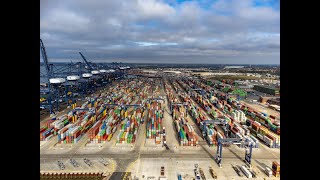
[
  {"x": 52, "y": 91},
  {"x": 87, "y": 63},
  {"x": 178, "y": 104},
  {"x": 90, "y": 68},
  {"x": 155, "y": 99},
  {"x": 248, "y": 152},
  {"x": 225, "y": 126},
  {"x": 223, "y": 122}
]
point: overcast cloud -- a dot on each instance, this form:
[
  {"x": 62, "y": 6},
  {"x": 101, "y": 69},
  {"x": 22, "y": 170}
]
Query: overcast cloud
[{"x": 168, "y": 31}]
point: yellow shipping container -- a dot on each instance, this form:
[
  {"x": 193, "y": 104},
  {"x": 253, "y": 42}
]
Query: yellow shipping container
[{"x": 109, "y": 137}]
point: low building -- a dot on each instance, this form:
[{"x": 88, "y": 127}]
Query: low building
[
  {"x": 267, "y": 89},
  {"x": 233, "y": 67},
  {"x": 275, "y": 107},
  {"x": 245, "y": 87},
  {"x": 274, "y": 101}
]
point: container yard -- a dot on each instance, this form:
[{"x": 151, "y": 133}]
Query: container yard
[
  {"x": 126, "y": 124},
  {"x": 186, "y": 132},
  {"x": 154, "y": 122},
  {"x": 160, "y": 90},
  {"x": 130, "y": 126}
]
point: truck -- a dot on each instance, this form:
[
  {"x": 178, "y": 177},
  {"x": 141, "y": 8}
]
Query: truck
[
  {"x": 179, "y": 177},
  {"x": 237, "y": 170},
  {"x": 196, "y": 173},
  {"x": 162, "y": 171},
  {"x": 202, "y": 174},
  {"x": 213, "y": 173},
  {"x": 246, "y": 171},
  {"x": 268, "y": 171}
]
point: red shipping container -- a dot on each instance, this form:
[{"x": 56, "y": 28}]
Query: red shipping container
[
  {"x": 104, "y": 137},
  {"x": 271, "y": 137},
  {"x": 42, "y": 130},
  {"x": 77, "y": 133}
]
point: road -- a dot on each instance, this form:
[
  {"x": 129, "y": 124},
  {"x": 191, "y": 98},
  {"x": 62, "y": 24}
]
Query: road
[{"x": 203, "y": 152}]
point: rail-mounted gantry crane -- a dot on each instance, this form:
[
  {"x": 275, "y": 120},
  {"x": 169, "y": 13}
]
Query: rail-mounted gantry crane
[
  {"x": 178, "y": 104},
  {"x": 224, "y": 124},
  {"x": 248, "y": 151},
  {"x": 227, "y": 140}
]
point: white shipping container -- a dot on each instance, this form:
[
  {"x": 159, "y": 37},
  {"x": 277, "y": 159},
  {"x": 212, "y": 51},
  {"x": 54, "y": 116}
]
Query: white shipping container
[
  {"x": 58, "y": 125},
  {"x": 253, "y": 138},
  {"x": 268, "y": 140},
  {"x": 192, "y": 130},
  {"x": 49, "y": 137},
  {"x": 238, "y": 135},
  {"x": 246, "y": 171},
  {"x": 219, "y": 136}
]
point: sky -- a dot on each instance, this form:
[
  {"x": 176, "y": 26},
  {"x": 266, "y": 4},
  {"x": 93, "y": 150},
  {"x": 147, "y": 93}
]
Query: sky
[{"x": 162, "y": 31}]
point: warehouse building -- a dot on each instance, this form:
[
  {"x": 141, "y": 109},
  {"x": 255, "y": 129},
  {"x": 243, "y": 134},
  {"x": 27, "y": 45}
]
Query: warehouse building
[{"x": 267, "y": 89}]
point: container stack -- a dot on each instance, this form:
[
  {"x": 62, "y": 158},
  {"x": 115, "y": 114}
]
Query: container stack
[
  {"x": 46, "y": 133},
  {"x": 255, "y": 126},
  {"x": 238, "y": 116},
  {"x": 93, "y": 132},
  {"x": 73, "y": 134},
  {"x": 185, "y": 131},
  {"x": 205, "y": 103},
  {"x": 107, "y": 128},
  {"x": 271, "y": 139},
  {"x": 186, "y": 134},
  {"x": 264, "y": 119},
  {"x": 154, "y": 122},
  {"x": 52, "y": 126},
  {"x": 275, "y": 169},
  {"x": 62, "y": 133},
  {"x": 129, "y": 127},
  {"x": 209, "y": 133}
]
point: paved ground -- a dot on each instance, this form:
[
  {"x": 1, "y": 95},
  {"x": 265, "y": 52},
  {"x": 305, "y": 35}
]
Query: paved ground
[
  {"x": 140, "y": 159},
  {"x": 261, "y": 108},
  {"x": 173, "y": 167}
]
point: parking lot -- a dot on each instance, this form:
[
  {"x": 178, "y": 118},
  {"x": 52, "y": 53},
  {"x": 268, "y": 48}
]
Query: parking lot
[
  {"x": 173, "y": 167},
  {"x": 97, "y": 166}
]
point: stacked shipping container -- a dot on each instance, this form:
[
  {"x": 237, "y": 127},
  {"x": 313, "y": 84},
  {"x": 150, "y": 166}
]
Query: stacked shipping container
[
  {"x": 154, "y": 122},
  {"x": 130, "y": 127},
  {"x": 275, "y": 169}
]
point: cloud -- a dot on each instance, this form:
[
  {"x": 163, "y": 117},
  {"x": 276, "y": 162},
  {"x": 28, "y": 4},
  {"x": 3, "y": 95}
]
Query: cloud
[{"x": 222, "y": 31}]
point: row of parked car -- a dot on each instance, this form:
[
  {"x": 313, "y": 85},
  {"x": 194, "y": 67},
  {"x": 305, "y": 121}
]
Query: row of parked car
[{"x": 87, "y": 161}]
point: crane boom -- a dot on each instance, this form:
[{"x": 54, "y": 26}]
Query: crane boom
[
  {"x": 85, "y": 60},
  {"x": 45, "y": 58}
]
